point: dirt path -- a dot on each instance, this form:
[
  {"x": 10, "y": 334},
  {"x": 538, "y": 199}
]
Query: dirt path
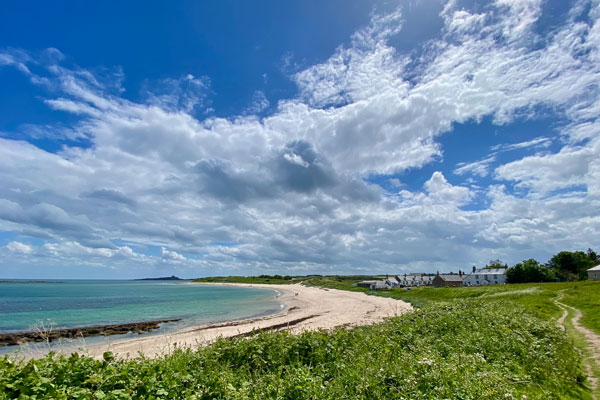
[{"x": 591, "y": 338}]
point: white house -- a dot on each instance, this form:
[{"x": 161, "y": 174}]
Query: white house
[
  {"x": 414, "y": 280},
  {"x": 594, "y": 273},
  {"x": 481, "y": 277}
]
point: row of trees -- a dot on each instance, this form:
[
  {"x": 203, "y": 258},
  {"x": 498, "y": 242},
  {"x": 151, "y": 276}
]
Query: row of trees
[{"x": 565, "y": 266}]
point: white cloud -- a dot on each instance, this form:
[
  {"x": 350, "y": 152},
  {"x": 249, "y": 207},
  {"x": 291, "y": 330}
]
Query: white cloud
[
  {"x": 480, "y": 168},
  {"x": 286, "y": 191},
  {"x": 259, "y": 103},
  {"x": 540, "y": 142},
  {"x": 171, "y": 255},
  {"x": 442, "y": 191},
  {"x": 547, "y": 173},
  {"x": 18, "y": 247},
  {"x": 395, "y": 182}
]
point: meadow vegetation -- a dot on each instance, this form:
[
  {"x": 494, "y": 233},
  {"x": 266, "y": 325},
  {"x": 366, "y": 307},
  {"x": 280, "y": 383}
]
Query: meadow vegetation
[
  {"x": 461, "y": 343},
  {"x": 457, "y": 350}
]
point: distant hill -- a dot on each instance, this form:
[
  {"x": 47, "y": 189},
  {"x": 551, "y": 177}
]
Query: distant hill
[{"x": 164, "y": 278}]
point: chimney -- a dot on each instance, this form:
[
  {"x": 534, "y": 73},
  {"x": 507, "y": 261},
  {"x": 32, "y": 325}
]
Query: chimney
[
  {"x": 474, "y": 269},
  {"x": 437, "y": 272}
]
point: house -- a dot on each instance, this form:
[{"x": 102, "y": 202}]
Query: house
[
  {"x": 414, "y": 280},
  {"x": 443, "y": 280},
  {"x": 594, "y": 273},
  {"x": 492, "y": 276},
  {"x": 366, "y": 284},
  {"x": 375, "y": 285}
]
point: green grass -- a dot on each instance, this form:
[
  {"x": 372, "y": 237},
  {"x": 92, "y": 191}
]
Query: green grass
[
  {"x": 460, "y": 350},
  {"x": 277, "y": 279},
  {"x": 536, "y": 298},
  {"x": 586, "y": 297},
  {"x": 247, "y": 279},
  {"x": 461, "y": 343}
]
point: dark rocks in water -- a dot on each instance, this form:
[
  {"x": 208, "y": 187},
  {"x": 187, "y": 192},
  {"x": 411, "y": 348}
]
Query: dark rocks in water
[
  {"x": 164, "y": 278},
  {"x": 17, "y": 338}
]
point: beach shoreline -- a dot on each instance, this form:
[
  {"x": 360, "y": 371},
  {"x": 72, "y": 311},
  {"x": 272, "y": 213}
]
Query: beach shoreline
[{"x": 304, "y": 309}]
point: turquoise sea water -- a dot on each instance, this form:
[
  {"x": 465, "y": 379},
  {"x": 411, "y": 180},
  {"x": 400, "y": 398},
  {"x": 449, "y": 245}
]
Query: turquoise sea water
[{"x": 62, "y": 304}]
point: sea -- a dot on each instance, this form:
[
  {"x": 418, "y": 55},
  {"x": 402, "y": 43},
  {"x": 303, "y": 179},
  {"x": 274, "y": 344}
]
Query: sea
[{"x": 53, "y": 304}]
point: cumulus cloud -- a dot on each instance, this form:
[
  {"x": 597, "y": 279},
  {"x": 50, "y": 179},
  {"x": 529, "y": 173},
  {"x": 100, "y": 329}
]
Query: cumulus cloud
[
  {"x": 287, "y": 191},
  {"x": 171, "y": 255},
  {"x": 442, "y": 191},
  {"x": 18, "y": 247}
]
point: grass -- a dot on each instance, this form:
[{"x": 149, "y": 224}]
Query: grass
[
  {"x": 246, "y": 279},
  {"x": 586, "y": 297},
  {"x": 462, "y": 350},
  {"x": 461, "y": 343},
  {"x": 276, "y": 279},
  {"x": 536, "y": 298}
]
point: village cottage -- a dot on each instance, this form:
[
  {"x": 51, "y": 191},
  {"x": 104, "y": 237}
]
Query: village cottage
[
  {"x": 492, "y": 276},
  {"x": 444, "y": 280},
  {"x": 594, "y": 273}
]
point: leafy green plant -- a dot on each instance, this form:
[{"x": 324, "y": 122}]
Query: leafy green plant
[{"x": 467, "y": 349}]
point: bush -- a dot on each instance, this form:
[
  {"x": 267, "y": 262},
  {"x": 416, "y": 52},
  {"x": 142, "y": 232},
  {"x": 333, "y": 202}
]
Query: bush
[{"x": 529, "y": 271}]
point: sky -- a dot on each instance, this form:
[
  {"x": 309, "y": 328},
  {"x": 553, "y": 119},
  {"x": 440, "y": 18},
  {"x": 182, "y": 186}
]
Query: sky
[{"x": 152, "y": 138}]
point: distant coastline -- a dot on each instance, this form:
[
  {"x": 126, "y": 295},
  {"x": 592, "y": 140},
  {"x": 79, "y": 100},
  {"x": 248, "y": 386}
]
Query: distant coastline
[{"x": 164, "y": 278}]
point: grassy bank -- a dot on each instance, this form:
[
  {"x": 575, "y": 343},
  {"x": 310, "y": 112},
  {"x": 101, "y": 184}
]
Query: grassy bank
[
  {"x": 536, "y": 298},
  {"x": 280, "y": 280},
  {"x": 586, "y": 297},
  {"x": 459, "y": 350}
]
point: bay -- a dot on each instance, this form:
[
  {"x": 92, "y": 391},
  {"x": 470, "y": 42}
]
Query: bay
[{"x": 26, "y": 306}]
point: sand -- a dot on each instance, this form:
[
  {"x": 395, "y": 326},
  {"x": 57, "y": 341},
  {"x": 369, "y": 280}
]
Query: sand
[{"x": 306, "y": 308}]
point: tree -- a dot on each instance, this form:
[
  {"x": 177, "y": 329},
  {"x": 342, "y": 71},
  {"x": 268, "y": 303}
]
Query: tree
[
  {"x": 529, "y": 271},
  {"x": 493, "y": 264},
  {"x": 593, "y": 256},
  {"x": 572, "y": 265}
]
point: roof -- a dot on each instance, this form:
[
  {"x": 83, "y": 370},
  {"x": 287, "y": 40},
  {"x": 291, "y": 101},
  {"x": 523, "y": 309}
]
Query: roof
[
  {"x": 493, "y": 271},
  {"x": 452, "y": 277},
  {"x": 596, "y": 268}
]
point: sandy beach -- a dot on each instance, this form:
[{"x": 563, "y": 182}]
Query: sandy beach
[{"x": 306, "y": 308}]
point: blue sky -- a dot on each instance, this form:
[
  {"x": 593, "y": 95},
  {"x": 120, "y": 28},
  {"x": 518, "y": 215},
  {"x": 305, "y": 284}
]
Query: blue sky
[{"x": 197, "y": 138}]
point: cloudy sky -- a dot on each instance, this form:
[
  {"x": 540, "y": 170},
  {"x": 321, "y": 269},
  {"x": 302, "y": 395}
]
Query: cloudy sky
[{"x": 219, "y": 138}]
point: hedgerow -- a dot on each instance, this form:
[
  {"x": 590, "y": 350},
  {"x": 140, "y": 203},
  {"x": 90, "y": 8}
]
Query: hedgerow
[{"x": 459, "y": 350}]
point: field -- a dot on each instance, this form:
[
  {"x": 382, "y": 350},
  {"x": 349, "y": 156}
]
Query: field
[
  {"x": 278, "y": 279},
  {"x": 461, "y": 343},
  {"x": 536, "y": 298}
]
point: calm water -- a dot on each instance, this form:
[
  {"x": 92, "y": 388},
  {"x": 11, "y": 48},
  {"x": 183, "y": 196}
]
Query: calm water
[{"x": 25, "y": 306}]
